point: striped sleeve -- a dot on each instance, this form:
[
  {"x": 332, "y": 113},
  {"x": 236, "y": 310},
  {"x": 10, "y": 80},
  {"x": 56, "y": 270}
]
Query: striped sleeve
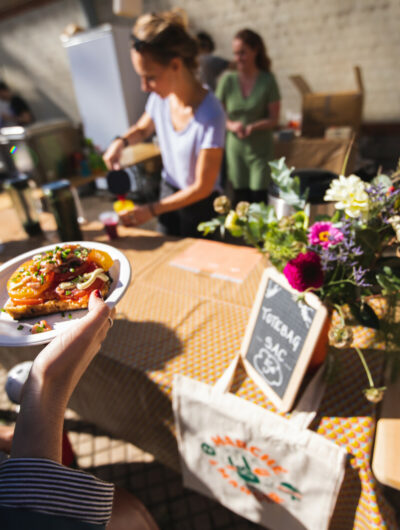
[{"x": 45, "y": 486}]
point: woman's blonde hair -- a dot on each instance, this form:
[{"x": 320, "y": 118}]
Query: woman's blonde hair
[{"x": 165, "y": 36}]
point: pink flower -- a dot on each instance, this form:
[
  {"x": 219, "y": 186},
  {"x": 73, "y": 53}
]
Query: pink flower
[
  {"x": 304, "y": 271},
  {"x": 324, "y": 234}
]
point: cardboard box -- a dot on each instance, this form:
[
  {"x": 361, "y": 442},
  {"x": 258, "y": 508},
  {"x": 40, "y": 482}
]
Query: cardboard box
[
  {"x": 323, "y": 110},
  {"x": 319, "y": 153}
]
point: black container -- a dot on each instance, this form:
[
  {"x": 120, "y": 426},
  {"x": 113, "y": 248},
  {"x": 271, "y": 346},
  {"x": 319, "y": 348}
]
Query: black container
[
  {"x": 23, "y": 201},
  {"x": 62, "y": 205},
  {"x": 317, "y": 181}
]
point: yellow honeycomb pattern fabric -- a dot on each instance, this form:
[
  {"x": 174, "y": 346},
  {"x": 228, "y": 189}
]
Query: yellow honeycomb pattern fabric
[{"x": 174, "y": 321}]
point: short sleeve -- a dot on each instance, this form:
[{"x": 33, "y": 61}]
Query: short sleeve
[
  {"x": 44, "y": 486},
  {"x": 214, "y": 129},
  {"x": 274, "y": 93}
]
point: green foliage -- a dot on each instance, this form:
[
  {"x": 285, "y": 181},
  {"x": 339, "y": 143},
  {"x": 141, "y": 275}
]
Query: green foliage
[
  {"x": 389, "y": 282},
  {"x": 209, "y": 227},
  {"x": 289, "y": 187}
]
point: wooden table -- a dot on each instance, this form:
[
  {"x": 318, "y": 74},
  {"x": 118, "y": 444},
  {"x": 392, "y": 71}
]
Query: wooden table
[{"x": 171, "y": 321}]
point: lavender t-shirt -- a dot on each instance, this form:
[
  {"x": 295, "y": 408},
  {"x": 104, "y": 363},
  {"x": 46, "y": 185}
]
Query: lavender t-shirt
[{"x": 180, "y": 149}]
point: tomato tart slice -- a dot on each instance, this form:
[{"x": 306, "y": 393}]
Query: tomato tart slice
[{"x": 57, "y": 280}]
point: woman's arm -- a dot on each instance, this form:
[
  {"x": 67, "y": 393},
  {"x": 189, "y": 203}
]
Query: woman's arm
[
  {"x": 268, "y": 123},
  {"x": 207, "y": 169},
  {"x": 52, "y": 379},
  {"x": 142, "y": 129}
]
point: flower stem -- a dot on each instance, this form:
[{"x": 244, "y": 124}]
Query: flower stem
[
  {"x": 341, "y": 315},
  {"x": 365, "y": 365}
]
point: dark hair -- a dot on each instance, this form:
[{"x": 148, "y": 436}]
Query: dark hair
[
  {"x": 164, "y": 36},
  {"x": 205, "y": 41},
  {"x": 4, "y": 86},
  {"x": 255, "y": 42}
]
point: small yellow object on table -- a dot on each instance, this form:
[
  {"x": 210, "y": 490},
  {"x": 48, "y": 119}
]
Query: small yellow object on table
[{"x": 123, "y": 205}]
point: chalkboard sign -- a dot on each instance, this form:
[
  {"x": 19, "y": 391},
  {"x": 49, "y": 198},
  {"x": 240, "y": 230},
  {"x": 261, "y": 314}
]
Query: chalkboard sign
[{"x": 280, "y": 337}]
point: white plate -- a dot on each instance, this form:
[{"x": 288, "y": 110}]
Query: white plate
[{"x": 10, "y": 335}]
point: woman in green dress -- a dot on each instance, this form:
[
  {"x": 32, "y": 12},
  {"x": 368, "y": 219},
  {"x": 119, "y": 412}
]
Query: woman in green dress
[{"x": 251, "y": 98}]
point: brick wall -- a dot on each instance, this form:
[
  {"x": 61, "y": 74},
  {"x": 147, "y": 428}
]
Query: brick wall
[
  {"x": 34, "y": 62},
  {"x": 319, "y": 39}
]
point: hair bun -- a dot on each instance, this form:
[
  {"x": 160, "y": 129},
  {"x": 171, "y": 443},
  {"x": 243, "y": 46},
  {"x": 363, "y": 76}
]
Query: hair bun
[
  {"x": 177, "y": 16},
  {"x": 167, "y": 36}
]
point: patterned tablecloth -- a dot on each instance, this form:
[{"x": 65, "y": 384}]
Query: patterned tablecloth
[{"x": 171, "y": 321}]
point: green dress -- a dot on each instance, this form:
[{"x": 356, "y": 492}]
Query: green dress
[{"x": 247, "y": 159}]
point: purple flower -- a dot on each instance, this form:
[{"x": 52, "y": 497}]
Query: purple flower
[
  {"x": 324, "y": 234},
  {"x": 304, "y": 271}
]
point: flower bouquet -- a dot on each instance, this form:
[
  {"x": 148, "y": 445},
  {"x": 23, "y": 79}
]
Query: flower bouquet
[{"x": 346, "y": 259}]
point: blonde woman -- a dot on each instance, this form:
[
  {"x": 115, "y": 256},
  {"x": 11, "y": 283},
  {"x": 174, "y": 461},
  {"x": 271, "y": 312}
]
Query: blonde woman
[{"x": 189, "y": 122}]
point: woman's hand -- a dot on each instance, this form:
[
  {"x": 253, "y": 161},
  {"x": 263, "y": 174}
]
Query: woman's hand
[
  {"x": 136, "y": 217},
  {"x": 53, "y": 377},
  {"x": 113, "y": 154},
  {"x": 248, "y": 130},
  {"x": 69, "y": 354},
  {"x": 236, "y": 127}
]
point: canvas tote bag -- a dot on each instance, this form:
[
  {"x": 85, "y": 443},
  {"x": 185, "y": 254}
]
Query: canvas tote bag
[{"x": 266, "y": 468}]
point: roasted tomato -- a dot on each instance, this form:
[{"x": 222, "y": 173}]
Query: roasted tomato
[
  {"x": 76, "y": 294},
  {"x": 28, "y": 282},
  {"x": 27, "y": 301},
  {"x": 102, "y": 259},
  {"x": 40, "y": 327},
  {"x": 72, "y": 271}
]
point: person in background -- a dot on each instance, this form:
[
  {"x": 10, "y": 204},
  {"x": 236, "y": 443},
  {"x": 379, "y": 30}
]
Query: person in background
[
  {"x": 36, "y": 491},
  {"x": 251, "y": 99},
  {"x": 189, "y": 122},
  {"x": 13, "y": 109},
  {"x": 210, "y": 66}
]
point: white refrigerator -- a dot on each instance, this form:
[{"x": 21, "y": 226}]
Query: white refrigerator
[{"x": 106, "y": 86}]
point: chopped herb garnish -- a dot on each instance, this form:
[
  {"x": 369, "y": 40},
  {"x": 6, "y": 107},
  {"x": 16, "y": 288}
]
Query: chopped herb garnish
[
  {"x": 39, "y": 329},
  {"x": 67, "y": 293},
  {"x": 20, "y": 327},
  {"x": 71, "y": 269},
  {"x": 70, "y": 316},
  {"x": 38, "y": 266},
  {"x": 3, "y": 310},
  {"x": 41, "y": 279}
]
